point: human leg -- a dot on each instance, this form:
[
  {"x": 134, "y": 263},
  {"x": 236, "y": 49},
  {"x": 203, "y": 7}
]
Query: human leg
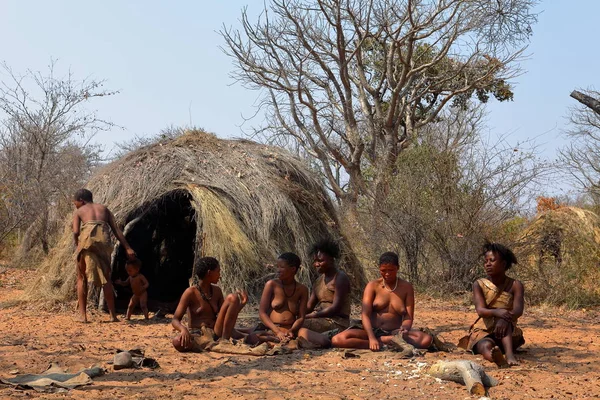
[
  {"x": 82, "y": 289},
  {"x": 351, "y": 339},
  {"x": 144, "y": 304},
  {"x": 227, "y": 316},
  {"x": 132, "y": 303},
  {"x": 109, "y": 296},
  {"x": 314, "y": 337},
  {"x": 419, "y": 339},
  {"x": 507, "y": 343},
  {"x": 488, "y": 349}
]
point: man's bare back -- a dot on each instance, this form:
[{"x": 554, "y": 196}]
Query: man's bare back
[{"x": 93, "y": 212}]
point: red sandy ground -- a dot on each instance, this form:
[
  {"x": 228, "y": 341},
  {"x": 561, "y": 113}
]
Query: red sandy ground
[{"x": 560, "y": 359}]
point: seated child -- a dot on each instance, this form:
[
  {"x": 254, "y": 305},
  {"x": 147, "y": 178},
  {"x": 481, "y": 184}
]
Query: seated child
[
  {"x": 499, "y": 303},
  {"x": 206, "y": 307},
  {"x": 387, "y": 310},
  {"x": 139, "y": 286}
]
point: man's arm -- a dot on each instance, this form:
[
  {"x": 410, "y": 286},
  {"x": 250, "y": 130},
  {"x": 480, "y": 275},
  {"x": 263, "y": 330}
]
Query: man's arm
[
  {"x": 119, "y": 235},
  {"x": 76, "y": 228}
]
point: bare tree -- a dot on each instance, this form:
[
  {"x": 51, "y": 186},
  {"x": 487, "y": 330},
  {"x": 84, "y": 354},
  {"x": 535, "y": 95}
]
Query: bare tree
[
  {"x": 44, "y": 145},
  {"x": 453, "y": 189},
  {"x": 354, "y": 82},
  {"x": 581, "y": 158}
]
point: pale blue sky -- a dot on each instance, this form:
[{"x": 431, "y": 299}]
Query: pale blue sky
[{"x": 164, "y": 57}]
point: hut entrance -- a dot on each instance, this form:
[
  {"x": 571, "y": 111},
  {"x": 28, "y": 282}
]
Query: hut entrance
[{"x": 164, "y": 238}]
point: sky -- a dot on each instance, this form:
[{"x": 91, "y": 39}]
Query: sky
[{"x": 165, "y": 60}]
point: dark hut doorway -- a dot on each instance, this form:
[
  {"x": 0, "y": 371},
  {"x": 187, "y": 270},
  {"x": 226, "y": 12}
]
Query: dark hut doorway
[{"x": 164, "y": 239}]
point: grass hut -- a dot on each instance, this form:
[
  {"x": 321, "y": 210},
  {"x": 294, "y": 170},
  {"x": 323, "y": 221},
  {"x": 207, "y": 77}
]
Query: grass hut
[
  {"x": 559, "y": 258},
  {"x": 196, "y": 195}
]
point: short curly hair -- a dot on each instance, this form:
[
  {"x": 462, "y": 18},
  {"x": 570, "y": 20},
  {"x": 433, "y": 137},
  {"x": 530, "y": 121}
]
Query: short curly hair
[
  {"x": 389, "y": 257},
  {"x": 504, "y": 252},
  {"x": 291, "y": 259},
  {"x": 205, "y": 264}
]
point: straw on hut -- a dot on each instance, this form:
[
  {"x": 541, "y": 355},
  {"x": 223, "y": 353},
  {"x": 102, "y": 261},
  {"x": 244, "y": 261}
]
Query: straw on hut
[
  {"x": 197, "y": 195},
  {"x": 559, "y": 257}
]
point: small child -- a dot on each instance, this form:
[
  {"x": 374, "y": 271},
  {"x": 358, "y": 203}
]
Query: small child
[{"x": 139, "y": 285}]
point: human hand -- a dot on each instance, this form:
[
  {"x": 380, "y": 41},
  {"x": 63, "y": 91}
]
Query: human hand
[
  {"x": 504, "y": 314},
  {"x": 185, "y": 339},
  {"x": 130, "y": 253},
  {"x": 243, "y": 296},
  {"x": 282, "y": 336},
  {"x": 403, "y": 331},
  {"x": 311, "y": 315},
  {"x": 373, "y": 344},
  {"x": 501, "y": 328}
]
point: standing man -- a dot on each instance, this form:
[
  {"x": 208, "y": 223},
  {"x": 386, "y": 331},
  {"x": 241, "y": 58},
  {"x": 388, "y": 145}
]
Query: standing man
[{"x": 92, "y": 223}]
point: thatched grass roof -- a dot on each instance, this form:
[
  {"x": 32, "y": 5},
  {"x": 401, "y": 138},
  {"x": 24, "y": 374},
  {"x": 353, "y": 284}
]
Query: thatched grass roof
[
  {"x": 250, "y": 202},
  {"x": 559, "y": 257}
]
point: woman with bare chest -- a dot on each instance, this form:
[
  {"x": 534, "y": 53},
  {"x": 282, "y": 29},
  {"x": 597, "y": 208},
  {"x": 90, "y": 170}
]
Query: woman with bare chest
[
  {"x": 283, "y": 305},
  {"x": 387, "y": 310},
  {"x": 206, "y": 307}
]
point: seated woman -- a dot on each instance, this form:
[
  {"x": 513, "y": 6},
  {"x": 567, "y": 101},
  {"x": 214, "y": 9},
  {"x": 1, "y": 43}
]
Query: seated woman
[
  {"x": 329, "y": 303},
  {"x": 499, "y": 303},
  {"x": 206, "y": 307},
  {"x": 283, "y": 306},
  {"x": 387, "y": 310}
]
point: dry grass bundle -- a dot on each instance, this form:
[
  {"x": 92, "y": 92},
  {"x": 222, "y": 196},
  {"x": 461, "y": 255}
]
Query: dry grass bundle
[
  {"x": 197, "y": 195},
  {"x": 559, "y": 256}
]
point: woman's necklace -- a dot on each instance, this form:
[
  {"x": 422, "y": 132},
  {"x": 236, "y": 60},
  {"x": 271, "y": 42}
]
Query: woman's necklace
[
  {"x": 388, "y": 289},
  {"x": 203, "y": 295},
  {"x": 286, "y": 295}
]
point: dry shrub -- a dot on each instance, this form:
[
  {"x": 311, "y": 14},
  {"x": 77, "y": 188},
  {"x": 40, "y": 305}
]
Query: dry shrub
[
  {"x": 247, "y": 203},
  {"x": 559, "y": 256}
]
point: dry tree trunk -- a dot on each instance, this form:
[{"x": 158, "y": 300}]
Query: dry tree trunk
[
  {"x": 586, "y": 100},
  {"x": 465, "y": 372}
]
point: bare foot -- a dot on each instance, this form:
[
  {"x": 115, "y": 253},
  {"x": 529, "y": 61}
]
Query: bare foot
[
  {"x": 82, "y": 320},
  {"x": 512, "y": 361},
  {"x": 498, "y": 358},
  {"x": 114, "y": 319}
]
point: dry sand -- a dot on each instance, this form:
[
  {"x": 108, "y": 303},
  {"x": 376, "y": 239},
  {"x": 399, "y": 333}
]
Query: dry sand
[{"x": 560, "y": 359}]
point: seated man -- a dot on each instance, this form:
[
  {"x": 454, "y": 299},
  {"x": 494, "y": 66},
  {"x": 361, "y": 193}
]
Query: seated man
[
  {"x": 499, "y": 303},
  {"x": 329, "y": 303},
  {"x": 283, "y": 306},
  {"x": 206, "y": 307},
  {"x": 387, "y": 311}
]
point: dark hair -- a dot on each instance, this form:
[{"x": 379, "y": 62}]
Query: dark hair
[
  {"x": 292, "y": 259},
  {"x": 205, "y": 264},
  {"x": 136, "y": 262},
  {"x": 389, "y": 257},
  {"x": 504, "y": 252},
  {"x": 326, "y": 246},
  {"x": 83, "y": 195}
]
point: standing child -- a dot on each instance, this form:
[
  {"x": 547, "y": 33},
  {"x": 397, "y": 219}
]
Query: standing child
[
  {"x": 139, "y": 285},
  {"x": 499, "y": 303},
  {"x": 92, "y": 224}
]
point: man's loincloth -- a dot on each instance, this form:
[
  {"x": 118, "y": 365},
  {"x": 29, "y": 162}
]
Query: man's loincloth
[{"x": 94, "y": 249}]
